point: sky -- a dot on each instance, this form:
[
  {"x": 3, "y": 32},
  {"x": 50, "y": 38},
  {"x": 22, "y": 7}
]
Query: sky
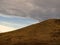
[
  {"x": 11, "y": 23},
  {"x": 13, "y": 11}
]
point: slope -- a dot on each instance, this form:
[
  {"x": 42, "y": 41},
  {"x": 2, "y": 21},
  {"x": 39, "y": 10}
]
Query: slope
[{"x": 44, "y": 33}]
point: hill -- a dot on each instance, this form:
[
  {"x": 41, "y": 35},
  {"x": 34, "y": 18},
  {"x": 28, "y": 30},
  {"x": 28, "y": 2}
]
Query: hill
[{"x": 43, "y": 33}]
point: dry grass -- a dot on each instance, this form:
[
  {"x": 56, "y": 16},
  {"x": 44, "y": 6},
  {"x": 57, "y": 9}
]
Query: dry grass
[{"x": 44, "y": 33}]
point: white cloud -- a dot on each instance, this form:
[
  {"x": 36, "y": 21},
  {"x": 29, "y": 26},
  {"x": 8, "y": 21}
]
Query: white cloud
[
  {"x": 16, "y": 25},
  {"x": 5, "y": 29},
  {"x": 13, "y": 25}
]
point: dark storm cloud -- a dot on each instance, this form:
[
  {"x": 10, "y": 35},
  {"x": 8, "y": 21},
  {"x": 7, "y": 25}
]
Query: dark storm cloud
[{"x": 38, "y": 9}]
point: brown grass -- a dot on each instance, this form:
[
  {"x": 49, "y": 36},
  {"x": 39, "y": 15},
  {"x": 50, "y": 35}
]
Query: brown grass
[{"x": 44, "y": 33}]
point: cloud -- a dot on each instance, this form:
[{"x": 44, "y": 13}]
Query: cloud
[
  {"x": 37, "y": 9},
  {"x": 5, "y": 29},
  {"x": 18, "y": 24},
  {"x": 13, "y": 25}
]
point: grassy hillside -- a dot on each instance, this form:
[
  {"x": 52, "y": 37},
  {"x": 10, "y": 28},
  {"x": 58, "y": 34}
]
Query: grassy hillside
[{"x": 44, "y": 33}]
